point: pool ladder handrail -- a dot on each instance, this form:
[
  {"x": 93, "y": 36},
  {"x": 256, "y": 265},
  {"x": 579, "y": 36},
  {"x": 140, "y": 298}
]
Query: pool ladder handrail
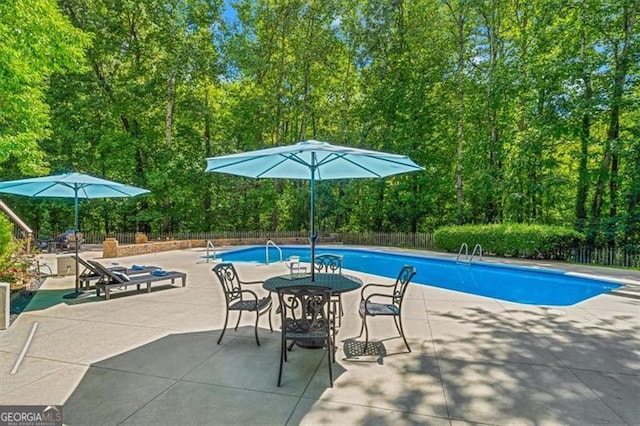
[
  {"x": 210, "y": 248},
  {"x": 477, "y": 249},
  {"x": 466, "y": 252},
  {"x": 473, "y": 253},
  {"x": 266, "y": 249}
]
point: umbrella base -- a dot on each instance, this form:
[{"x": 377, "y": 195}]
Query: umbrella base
[{"x": 73, "y": 295}]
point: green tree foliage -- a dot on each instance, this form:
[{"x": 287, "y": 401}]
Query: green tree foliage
[
  {"x": 36, "y": 41},
  {"x": 520, "y": 112},
  {"x": 5, "y": 240}
]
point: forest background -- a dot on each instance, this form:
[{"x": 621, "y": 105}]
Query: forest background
[{"x": 520, "y": 111}]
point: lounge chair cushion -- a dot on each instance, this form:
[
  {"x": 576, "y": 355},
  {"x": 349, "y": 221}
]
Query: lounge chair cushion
[
  {"x": 122, "y": 275},
  {"x": 159, "y": 272}
]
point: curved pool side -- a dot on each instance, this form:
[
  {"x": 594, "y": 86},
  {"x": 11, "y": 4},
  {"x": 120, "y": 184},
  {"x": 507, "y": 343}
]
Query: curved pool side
[{"x": 520, "y": 284}]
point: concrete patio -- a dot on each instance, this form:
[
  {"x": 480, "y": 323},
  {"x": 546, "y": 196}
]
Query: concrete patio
[{"x": 152, "y": 358}]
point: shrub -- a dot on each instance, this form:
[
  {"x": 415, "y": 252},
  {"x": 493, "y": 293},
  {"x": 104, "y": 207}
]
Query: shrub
[
  {"x": 6, "y": 241},
  {"x": 515, "y": 240}
]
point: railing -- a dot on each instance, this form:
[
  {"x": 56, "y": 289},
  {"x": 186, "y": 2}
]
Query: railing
[
  {"x": 418, "y": 240},
  {"x": 476, "y": 249},
  {"x": 382, "y": 239},
  {"x": 464, "y": 247},
  {"x": 617, "y": 257},
  {"x": 211, "y": 248},
  {"x": 21, "y": 230},
  {"x": 266, "y": 249}
]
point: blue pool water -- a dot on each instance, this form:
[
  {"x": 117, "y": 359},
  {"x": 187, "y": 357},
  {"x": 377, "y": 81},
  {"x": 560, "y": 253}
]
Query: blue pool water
[{"x": 531, "y": 286}]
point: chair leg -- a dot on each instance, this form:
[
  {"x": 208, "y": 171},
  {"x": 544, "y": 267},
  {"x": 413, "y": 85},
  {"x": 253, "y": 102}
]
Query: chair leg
[
  {"x": 401, "y": 330},
  {"x": 255, "y": 329},
  {"x": 330, "y": 358},
  {"x": 283, "y": 356},
  {"x": 361, "y": 327},
  {"x": 366, "y": 331},
  {"x": 333, "y": 338},
  {"x": 238, "y": 323},
  {"x": 337, "y": 307},
  {"x": 224, "y": 328},
  {"x": 270, "y": 326}
]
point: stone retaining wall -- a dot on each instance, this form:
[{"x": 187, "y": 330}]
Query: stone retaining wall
[{"x": 111, "y": 248}]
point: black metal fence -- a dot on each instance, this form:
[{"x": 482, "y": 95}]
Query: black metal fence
[
  {"x": 129, "y": 237},
  {"x": 397, "y": 239},
  {"x": 618, "y": 257}
]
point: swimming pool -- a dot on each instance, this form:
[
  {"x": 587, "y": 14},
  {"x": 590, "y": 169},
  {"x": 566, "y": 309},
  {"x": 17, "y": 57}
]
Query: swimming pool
[{"x": 532, "y": 286}]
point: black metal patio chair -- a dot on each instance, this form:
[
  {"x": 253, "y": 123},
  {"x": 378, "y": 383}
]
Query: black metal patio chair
[
  {"x": 239, "y": 299},
  {"x": 332, "y": 264},
  {"x": 385, "y": 304},
  {"x": 307, "y": 318}
]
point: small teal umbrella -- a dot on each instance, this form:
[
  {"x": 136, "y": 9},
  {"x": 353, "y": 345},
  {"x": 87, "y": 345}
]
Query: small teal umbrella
[
  {"x": 70, "y": 185},
  {"x": 312, "y": 160}
]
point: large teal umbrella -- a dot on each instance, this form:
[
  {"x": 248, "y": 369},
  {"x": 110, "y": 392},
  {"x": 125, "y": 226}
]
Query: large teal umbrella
[
  {"x": 70, "y": 185},
  {"x": 312, "y": 160}
]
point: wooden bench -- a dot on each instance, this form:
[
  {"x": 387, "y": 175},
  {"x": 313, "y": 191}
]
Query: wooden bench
[{"x": 114, "y": 279}]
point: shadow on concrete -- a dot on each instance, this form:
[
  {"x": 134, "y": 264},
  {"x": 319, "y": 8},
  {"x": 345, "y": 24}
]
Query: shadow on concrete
[
  {"x": 509, "y": 367},
  {"x": 187, "y": 378},
  {"x": 46, "y": 298}
]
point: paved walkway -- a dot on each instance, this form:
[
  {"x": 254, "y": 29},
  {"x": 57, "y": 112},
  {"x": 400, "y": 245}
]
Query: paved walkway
[{"x": 153, "y": 359}]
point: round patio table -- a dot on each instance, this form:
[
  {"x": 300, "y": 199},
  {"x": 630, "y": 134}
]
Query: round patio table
[{"x": 338, "y": 283}]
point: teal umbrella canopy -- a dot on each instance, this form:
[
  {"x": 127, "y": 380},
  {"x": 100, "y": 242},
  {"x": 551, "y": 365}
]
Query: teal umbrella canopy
[
  {"x": 312, "y": 160},
  {"x": 70, "y": 185}
]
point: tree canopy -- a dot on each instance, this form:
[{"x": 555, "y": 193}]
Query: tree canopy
[{"x": 520, "y": 112}]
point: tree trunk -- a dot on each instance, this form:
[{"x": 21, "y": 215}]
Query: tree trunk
[
  {"x": 610, "y": 161},
  {"x": 208, "y": 214},
  {"x": 460, "y": 21},
  {"x": 171, "y": 91},
  {"x": 492, "y": 27},
  {"x": 585, "y": 136}
]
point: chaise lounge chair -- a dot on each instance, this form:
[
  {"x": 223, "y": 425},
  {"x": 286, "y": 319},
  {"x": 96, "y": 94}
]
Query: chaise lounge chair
[
  {"x": 90, "y": 273},
  {"x": 116, "y": 279}
]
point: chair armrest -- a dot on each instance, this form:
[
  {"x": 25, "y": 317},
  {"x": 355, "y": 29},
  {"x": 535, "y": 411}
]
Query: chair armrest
[
  {"x": 251, "y": 282},
  {"x": 362, "y": 291},
  {"x": 252, "y": 293}
]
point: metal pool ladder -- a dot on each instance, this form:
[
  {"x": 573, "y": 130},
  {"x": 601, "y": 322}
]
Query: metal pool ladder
[
  {"x": 266, "y": 249},
  {"x": 211, "y": 248},
  {"x": 464, "y": 248}
]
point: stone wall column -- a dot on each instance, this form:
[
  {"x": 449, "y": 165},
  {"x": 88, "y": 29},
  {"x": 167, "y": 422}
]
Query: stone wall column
[
  {"x": 140, "y": 238},
  {"x": 110, "y": 248}
]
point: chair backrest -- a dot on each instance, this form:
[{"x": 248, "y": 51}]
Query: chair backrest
[
  {"x": 90, "y": 269},
  {"x": 304, "y": 309},
  {"x": 328, "y": 263},
  {"x": 106, "y": 273},
  {"x": 229, "y": 280},
  {"x": 402, "y": 282}
]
